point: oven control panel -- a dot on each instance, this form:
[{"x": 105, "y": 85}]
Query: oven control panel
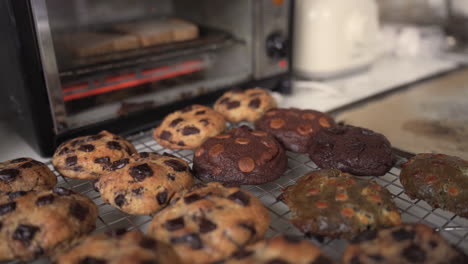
[{"x": 272, "y": 37}]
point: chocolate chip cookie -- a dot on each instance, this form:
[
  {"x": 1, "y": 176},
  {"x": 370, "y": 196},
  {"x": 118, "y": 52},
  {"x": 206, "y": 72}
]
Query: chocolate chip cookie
[
  {"x": 280, "y": 250},
  {"x": 119, "y": 247},
  {"x": 241, "y": 156},
  {"x": 90, "y": 157},
  {"x": 33, "y": 223},
  {"x": 335, "y": 204},
  {"x": 25, "y": 174},
  {"x": 209, "y": 223},
  {"x": 356, "y": 150},
  {"x": 244, "y": 105},
  {"x": 189, "y": 128},
  {"x": 293, "y": 127},
  {"x": 146, "y": 184},
  {"x": 438, "y": 179},
  {"x": 403, "y": 244}
]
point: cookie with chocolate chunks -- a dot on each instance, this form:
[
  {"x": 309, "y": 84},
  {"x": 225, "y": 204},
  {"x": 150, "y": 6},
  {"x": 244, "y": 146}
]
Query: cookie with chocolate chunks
[
  {"x": 118, "y": 248},
  {"x": 189, "y": 128},
  {"x": 244, "y": 105},
  {"x": 209, "y": 223},
  {"x": 241, "y": 156},
  {"x": 402, "y": 244},
  {"x": 146, "y": 184},
  {"x": 25, "y": 174},
  {"x": 35, "y": 223},
  {"x": 279, "y": 250},
  {"x": 355, "y": 150},
  {"x": 335, "y": 204},
  {"x": 293, "y": 127},
  {"x": 440, "y": 180},
  {"x": 90, "y": 157}
]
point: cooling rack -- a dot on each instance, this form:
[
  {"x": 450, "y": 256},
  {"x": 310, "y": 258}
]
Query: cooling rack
[{"x": 451, "y": 226}]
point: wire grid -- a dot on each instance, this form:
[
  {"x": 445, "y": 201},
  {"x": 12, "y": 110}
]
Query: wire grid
[{"x": 451, "y": 226}]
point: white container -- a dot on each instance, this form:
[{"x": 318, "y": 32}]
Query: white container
[{"x": 334, "y": 37}]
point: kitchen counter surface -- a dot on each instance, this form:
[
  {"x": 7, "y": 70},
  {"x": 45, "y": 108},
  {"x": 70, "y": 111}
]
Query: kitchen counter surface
[{"x": 384, "y": 75}]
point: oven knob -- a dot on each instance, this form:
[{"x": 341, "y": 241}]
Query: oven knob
[{"x": 276, "y": 46}]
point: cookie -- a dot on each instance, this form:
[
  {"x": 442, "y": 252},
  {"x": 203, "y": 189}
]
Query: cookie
[
  {"x": 25, "y": 174},
  {"x": 209, "y": 223},
  {"x": 90, "y": 157},
  {"x": 403, "y": 244},
  {"x": 189, "y": 128},
  {"x": 244, "y": 105},
  {"x": 241, "y": 156},
  {"x": 335, "y": 204},
  {"x": 119, "y": 247},
  {"x": 280, "y": 250},
  {"x": 33, "y": 223},
  {"x": 146, "y": 184},
  {"x": 293, "y": 127},
  {"x": 356, "y": 150},
  {"x": 438, "y": 179}
]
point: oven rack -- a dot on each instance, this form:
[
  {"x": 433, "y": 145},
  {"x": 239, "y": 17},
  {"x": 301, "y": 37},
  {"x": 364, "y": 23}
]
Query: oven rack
[{"x": 451, "y": 226}]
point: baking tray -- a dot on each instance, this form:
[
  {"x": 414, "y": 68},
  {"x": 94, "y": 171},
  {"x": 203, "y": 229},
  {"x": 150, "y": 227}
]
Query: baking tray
[{"x": 451, "y": 226}]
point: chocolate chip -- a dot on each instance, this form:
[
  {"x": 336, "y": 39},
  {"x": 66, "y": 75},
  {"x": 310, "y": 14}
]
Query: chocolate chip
[
  {"x": 193, "y": 240},
  {"x": 162, "y": 197},
  {"x": 187, "y": 109},
  {"x": 364, "y": 236},
  {"x": 71, "y": 161},
  {"x": 1, "y": 225},
  {"x": 292, "y": 239},
  {"x": 76, "y": 142},
  {"x": 206, "y": 226},
  {"x": 78, "y": 168},
  {"x": 27, "y": 165},
  {"x": 165, "y": 154},
  {"x": 249, "y": 227},
  {"x": 277, "y": 261},
  {"x": 171, "y": 176},
  {"x": 176, "y": 165},
  {"x": 165, "y": 135},
  {"x": 414, "y": 253},
  {"x": 254, "y": 103},
  {"x": 119, "y": 200},
  {"x": 116, "y": 232},
  {"x": 241, "y": 254},
  {"x": 44, "y": 200},
  {"x": 14, "y": 195},
  {"x": 402, "y": 234},
  {"x": 240, "y": 198},
  {"x": 102, "y": 160},
  {"x": 190, "y": 130},
  {"x": 114, "y": 145},
  {"x": 87, "y": 148},
  {"x": 78, "y": 211},
  {"x": 224, "y": 100},
  {"x": 18, "y": 160},
  {"x": 181, "y": 143},
  {"x": 118, "y": 164},
  {"x": 148, "y": 243},
  {"x": 138, "y": 191},
  {"x": 175, "y": 122},
  {"x": 200, "y": 112},
  {"x": 144, "y": 155},
  {"x": 232, "y": 105},
  {"x": 376, "y": 257},
  {"x": 7, "y": 208},
  {"x": 25, "y": 233},
  {"x": 92, "y": 260},
  {"x": 8, "y": 175},
  {"x": 66, "y": 150},
  {"x": 140, "y": 172},
  {"x": 205, "y": 121},
  {"x": 433, "y": 244},
  {"x": 322, "y": 260},
  {"x": 355, "y": 260},
  {"x": 93, "y": 138},
  {"x": 62, "y": 191},
  {"x": 192, "y": 198},
  {"x": 174, "y": 224}
]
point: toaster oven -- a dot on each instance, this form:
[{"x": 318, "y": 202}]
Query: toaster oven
[{"x": 78, "y": 66}]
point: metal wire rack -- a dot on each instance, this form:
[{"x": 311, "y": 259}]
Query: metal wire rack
[{"x": 451, "y": 226}]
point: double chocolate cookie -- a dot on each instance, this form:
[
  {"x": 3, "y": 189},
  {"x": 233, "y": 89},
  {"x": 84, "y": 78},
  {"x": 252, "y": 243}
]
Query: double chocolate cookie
[
  {"x": 118, "y": 247},
  {"x": 25, "y": 174},
  {"x": 146, "y": 184},
  {"x": 335, "y": 204},
  {"x": 438, "y": 179},
  {"x": 244, "y": 105},
  {"x": 90, "y": 157},
  {"x": 209, "y": 223},
  {"x": 189, "y": 128},
  {"x": 241, "y": 156},
  {"x": 294, "y": 127},
  {"x": 279, "y": 250},
  {"x": 403, "y": 244},
  {"x": 356, "y": 150},
  {"x": 33, "y": 223}
]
